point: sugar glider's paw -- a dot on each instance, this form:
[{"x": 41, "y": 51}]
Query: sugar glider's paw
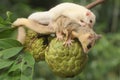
[
  {"x": 68, "y": 42},
  {"x": 19, "y": 22},
  {"x": 59, "y": 36}
]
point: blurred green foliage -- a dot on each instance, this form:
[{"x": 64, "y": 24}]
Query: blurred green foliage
[
  {"x": 14, "y": 62},
  {"x": 104, "y": 57}
]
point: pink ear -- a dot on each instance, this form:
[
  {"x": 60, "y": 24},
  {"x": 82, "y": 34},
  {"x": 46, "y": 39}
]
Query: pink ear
[{"x": 88, "y": 13}]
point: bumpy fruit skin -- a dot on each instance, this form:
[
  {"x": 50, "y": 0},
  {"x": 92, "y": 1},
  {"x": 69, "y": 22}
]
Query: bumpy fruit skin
[
  {"x": 35, "y": 45},
  {"x": 65, "y": 61}
]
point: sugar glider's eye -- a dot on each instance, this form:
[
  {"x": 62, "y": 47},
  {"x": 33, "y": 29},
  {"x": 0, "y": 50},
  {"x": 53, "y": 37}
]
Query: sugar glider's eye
[
  {"x": 89, "y": 46},
  {"x": 91, "y": 21}
]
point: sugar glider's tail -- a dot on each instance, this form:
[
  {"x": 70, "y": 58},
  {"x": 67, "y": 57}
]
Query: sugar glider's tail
[
  {"x": 21, "y": 35},
  {"x": 30, "y": 24}
]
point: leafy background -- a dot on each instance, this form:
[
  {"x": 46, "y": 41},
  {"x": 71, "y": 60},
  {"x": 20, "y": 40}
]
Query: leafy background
[{"x": 104, "y": 58}]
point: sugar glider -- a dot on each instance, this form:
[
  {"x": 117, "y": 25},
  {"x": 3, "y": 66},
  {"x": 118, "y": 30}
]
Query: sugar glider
[
  {"x": 74, "y": 11},
  {"x": 66, "y": 26}
]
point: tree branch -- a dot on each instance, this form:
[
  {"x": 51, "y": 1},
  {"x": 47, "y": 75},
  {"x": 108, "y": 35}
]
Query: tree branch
[{"x": 93, "y": 4}]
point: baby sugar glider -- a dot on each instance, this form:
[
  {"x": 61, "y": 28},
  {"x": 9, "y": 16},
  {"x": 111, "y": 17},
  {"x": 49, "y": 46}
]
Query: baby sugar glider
[{"x": 87, "y": 37}]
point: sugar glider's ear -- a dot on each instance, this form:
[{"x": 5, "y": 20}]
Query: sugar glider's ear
[
  {"x": 98, "y": 36},
  {"x": 88, "y": 13}
]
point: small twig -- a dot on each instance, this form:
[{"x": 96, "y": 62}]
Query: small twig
[{"x": 93, "y": 4}]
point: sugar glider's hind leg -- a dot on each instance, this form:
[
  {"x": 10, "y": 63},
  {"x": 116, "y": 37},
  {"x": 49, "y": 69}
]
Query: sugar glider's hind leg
[
  {"x": 41, "y": 17},
  {"x": 33, "y": 25},
  {"x": 23, "y": 22}
]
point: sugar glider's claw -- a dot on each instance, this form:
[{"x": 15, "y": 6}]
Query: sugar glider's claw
[
  {"x": 59, "y": 36},
  {"x": 68, "y": 43}
]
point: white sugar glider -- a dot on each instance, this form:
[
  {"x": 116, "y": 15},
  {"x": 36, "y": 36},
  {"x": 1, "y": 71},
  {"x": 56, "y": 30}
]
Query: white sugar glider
[{"x": 76, "y": 12}]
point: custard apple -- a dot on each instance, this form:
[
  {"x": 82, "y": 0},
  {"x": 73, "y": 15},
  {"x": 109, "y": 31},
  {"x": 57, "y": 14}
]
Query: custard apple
[
  {"x": 65, "y": 61},
  {"x": 35, "y": 45}
]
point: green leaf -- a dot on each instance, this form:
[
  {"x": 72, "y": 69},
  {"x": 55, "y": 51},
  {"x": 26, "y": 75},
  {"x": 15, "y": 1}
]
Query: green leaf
[
  {"x": 4, "y": 76},
  {"x": 28, "y": 66},
  {"x": 3, "y": 28},
  {"x": 29, "y": 59},
  {"x": 17, "y": 65},
  {"x": 24, "y": 63},
  {"x": 5, "y": 63},
  {"x": 23, "y": 77},
  {"x": 9, "y": 43},
  {"x": 8, "y": 53},
  {"x": 8, "y": 32},
  {"x": 9, "y": 14},
  {"x": 1, "y": 20}
]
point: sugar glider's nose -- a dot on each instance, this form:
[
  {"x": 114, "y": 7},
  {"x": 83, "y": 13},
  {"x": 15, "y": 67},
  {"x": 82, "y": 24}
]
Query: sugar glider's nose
[
  {"x": 90, "y": 25},
  {"x": 83, "y": 24}
]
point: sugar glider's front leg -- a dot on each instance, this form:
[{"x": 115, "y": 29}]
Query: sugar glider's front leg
[
  {"x": 68, "y": 38},
  {"x": 70, "y": 27}
]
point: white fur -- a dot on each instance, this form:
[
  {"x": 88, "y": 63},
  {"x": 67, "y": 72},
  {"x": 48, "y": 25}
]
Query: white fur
[
  {"x": 41, "y": 17},
  {"x": 71, "y": 10}
]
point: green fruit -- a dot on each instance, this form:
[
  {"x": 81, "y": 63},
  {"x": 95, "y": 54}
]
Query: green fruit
[
  {"x": 65, "y": 61},
  {"x": 35, "y": 45}
]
